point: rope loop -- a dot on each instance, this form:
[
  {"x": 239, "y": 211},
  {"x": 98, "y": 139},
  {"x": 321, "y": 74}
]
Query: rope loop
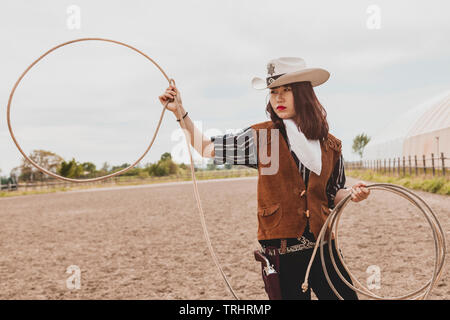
[{"x": 332, "y": 222}]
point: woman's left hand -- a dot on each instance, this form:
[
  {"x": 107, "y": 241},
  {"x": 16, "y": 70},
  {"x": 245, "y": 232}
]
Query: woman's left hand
[{"x": 359, "y": 192}]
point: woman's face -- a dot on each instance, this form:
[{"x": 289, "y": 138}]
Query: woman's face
[{"x": 282, "y": 101}]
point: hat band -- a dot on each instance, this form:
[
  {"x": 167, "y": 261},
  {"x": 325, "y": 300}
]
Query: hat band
[{"x": 271, "y": 79}]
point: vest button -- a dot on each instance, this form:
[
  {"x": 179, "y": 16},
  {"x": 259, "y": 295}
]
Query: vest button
[
  {"x": 303, "y": 192},
  {"x": 307, "y": 213}
]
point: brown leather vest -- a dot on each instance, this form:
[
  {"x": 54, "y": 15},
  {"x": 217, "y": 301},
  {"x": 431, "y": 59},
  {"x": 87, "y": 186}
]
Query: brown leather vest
[{"x": 283, "y": 207}]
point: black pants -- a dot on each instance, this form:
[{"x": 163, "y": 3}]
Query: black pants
[{"x": 292, "y": 273}]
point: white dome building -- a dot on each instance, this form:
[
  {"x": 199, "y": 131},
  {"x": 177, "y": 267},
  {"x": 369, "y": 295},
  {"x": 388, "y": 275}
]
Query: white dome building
[{"x": 421, "y": 131}]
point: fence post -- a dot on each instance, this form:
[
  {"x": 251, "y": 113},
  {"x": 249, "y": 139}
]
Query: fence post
[
  {"x": 393, "y": 166},
  {"x": 432, "y": 163},
  {"x": 443, "y": 163},
  {"x": 409, "y": 162},
  {"x": 424, "y": 166},
  {"x": 403, "y": 165},
  {"x": 389, "y": 166},
  {"x": 398, "y": 167},
  {"x": 415, "y": 164},
  {"x": 384, "y": 166}
]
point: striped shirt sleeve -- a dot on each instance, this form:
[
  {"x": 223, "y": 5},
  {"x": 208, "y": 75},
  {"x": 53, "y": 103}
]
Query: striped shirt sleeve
[
  {"x": 236, "y": 148},
  {"x": 336, "y": 181}
]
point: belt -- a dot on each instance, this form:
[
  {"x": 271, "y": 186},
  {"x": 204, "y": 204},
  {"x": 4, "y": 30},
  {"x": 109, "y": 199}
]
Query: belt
[{"x": 303, "y": 244}]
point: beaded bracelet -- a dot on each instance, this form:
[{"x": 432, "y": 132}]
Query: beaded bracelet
[{"x": 183, "y": 116}]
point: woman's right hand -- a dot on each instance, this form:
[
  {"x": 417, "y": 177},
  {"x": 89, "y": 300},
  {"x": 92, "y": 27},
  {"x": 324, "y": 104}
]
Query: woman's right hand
[{"x": 170, "y": 94}]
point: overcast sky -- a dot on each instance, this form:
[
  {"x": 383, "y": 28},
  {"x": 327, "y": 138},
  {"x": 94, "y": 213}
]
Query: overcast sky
[{"x": 98, "y": 101}]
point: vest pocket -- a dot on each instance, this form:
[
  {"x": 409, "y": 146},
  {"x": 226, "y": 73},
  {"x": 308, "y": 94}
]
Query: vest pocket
[{"x": 269, "y": 216}]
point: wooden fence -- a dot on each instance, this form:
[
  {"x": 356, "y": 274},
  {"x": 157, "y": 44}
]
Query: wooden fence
[
  {"x": 53, "y": 183},
  {"x": 412, "y": 165}
]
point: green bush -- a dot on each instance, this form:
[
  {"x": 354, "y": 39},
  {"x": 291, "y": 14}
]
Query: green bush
[{"x": 71, "y": 169}]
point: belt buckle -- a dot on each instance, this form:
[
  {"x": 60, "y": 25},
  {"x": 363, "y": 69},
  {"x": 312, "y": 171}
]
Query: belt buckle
[{"x": 283, "y": 246}]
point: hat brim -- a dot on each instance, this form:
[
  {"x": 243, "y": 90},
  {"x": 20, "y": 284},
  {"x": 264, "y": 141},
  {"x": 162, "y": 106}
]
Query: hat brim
[{"x": 316, "y": 76}]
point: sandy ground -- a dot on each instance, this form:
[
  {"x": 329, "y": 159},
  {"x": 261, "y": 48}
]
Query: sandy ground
[{"x": 146, "y": 242}]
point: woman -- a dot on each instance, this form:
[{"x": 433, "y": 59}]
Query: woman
[{"x": 300, "y": 172}]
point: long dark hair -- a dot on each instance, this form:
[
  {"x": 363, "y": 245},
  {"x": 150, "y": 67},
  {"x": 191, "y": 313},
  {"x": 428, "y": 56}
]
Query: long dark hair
[{"x": 311, "y": 117}]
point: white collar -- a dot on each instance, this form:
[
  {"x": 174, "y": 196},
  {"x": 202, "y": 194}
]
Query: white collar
[{"x": 307, "y": 151}]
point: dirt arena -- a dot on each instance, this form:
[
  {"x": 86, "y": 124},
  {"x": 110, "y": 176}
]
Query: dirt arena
[{"x": 146, "y": 242}]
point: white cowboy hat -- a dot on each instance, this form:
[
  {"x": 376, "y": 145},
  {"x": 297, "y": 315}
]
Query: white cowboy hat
[{"x": 286, "y": 70}]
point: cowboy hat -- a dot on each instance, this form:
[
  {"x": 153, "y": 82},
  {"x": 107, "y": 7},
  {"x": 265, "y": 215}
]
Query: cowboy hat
[{"x": 286, "y": 70}]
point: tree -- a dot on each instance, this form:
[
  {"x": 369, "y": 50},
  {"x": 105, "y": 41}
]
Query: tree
[
  {"x": 105, "y": 167},
  {"x": 132, "y": 172},
  {"x": 166, "y": 156},
  {"x": 46, "y": 159},
  {"x": 89, "y": 166},
  {"x": 183, "y": 166},
  {"x": 71, "y": 169},
  {"x": 89, "y": 169},
  {"x": 158, "y": 170},
  {"x": 164, "y": 166},
  {"x": 359, "y": 143},
  {"x": 117, "y": 168}
]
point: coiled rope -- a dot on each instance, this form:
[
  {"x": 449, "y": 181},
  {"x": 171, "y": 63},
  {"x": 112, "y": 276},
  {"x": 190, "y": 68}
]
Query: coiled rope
[
  {"x": 332, "y": 222},
  {"x": 186, "y": 134}
]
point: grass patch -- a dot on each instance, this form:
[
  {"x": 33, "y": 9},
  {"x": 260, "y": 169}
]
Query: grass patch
[{"x": 439, "y": 185}]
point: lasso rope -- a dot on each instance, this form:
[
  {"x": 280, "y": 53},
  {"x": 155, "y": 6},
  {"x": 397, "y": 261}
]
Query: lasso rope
[
  {"x": 196, "y": 193},
  {"x": 39, "y": 59},
  {"x": 332, "y": 222}
]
